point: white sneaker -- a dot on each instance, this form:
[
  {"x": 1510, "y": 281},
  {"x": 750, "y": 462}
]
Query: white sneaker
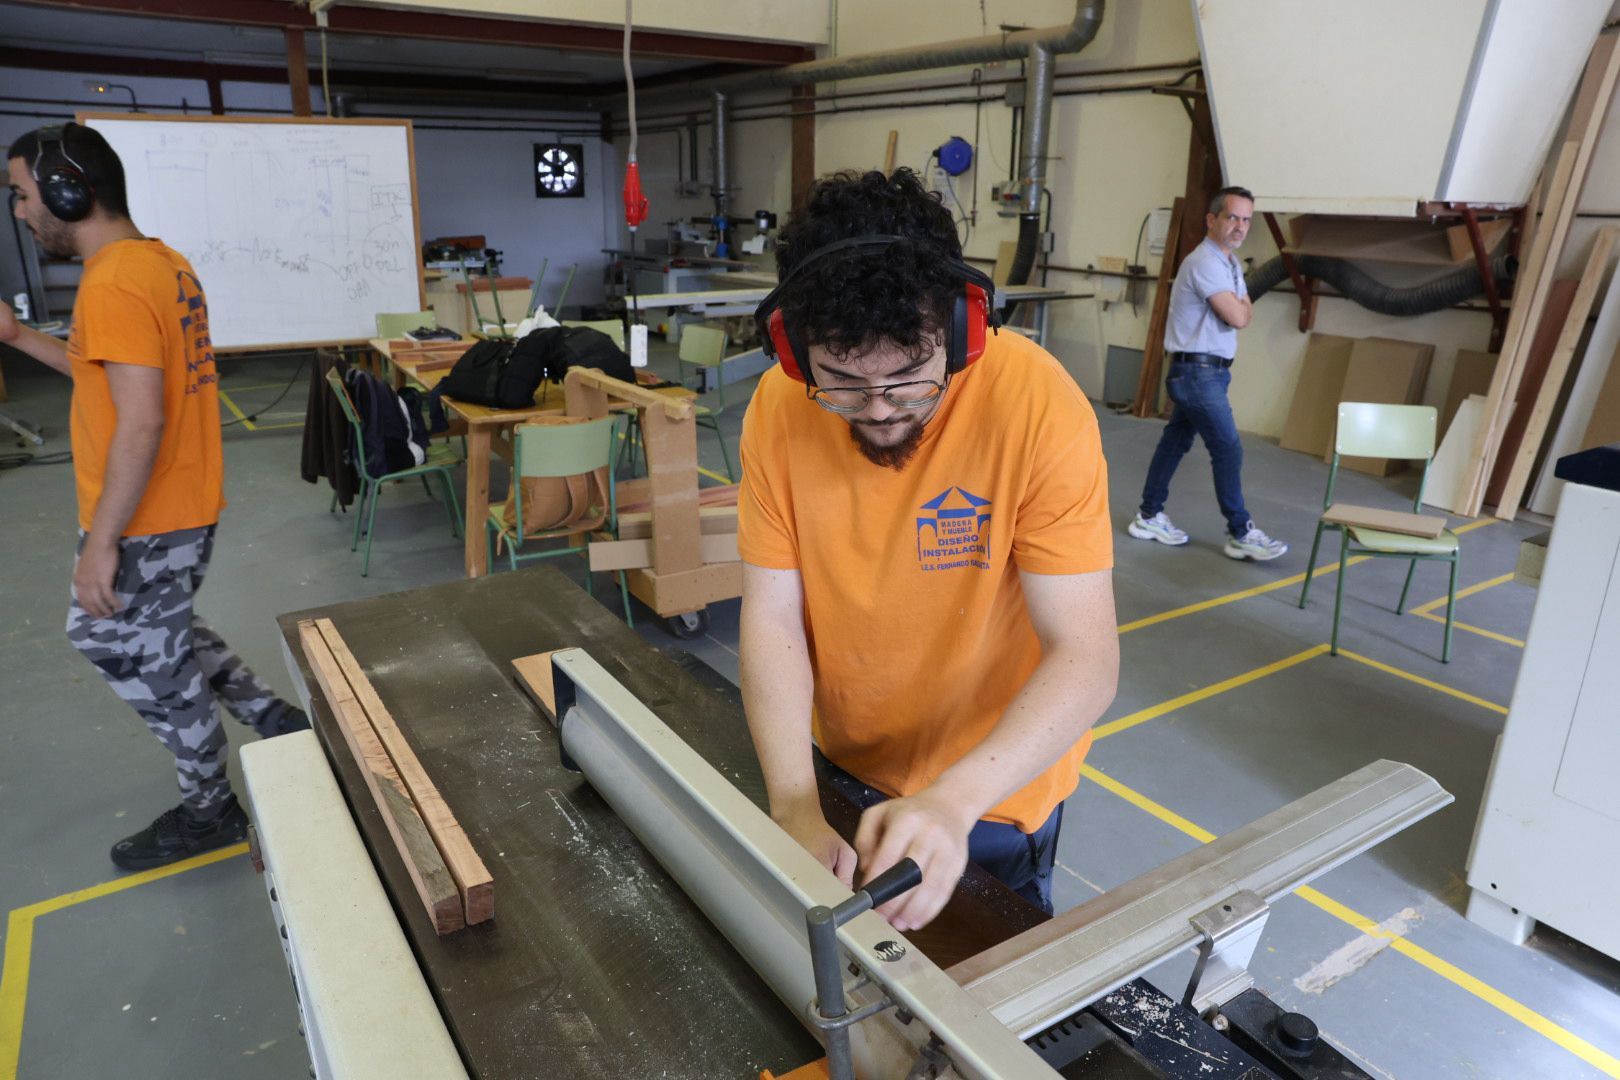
[
  {"x": 1255, "y": 545},
  {"x": 1158, "y": 528}
]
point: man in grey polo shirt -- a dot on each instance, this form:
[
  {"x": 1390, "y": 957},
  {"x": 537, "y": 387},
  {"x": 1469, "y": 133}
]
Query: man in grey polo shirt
[{"x": 1209, "y": 304}]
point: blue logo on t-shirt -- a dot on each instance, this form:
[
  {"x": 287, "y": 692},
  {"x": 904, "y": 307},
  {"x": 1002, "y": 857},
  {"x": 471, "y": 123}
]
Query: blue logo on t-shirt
[{"x": 954, "y": 531}]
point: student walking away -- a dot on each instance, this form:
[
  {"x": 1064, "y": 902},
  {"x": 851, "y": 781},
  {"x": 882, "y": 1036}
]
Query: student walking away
[
  {"x": 149, "y": 471},
  {"x": 1209, "y": 304},
  {"x": 928, "y": 606}
]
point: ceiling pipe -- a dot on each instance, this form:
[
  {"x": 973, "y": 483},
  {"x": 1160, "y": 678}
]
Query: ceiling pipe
[{"x": 722, "y": 179}]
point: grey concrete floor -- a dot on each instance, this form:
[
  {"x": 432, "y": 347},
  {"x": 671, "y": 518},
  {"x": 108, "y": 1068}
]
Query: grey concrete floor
[{"x": 183, "y": 975}]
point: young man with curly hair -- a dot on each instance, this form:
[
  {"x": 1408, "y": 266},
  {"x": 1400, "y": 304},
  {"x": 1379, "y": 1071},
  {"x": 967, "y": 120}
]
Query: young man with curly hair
[{"x": 927, "y": 593}]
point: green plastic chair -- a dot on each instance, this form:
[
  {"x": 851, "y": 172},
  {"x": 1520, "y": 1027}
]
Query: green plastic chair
[
  {"x": 613, "y": 328},
  {"x": 554, "y": 450},
  {"x": 440, "y": 460},
  {"x": 1367, "y": 429},
  {"x": 701, "y": 346}
]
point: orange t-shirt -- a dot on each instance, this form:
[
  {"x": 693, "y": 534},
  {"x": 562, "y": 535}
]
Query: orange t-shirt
[
  {"x": 918, "y": 633},
  {"x": 140, "y": 303}
]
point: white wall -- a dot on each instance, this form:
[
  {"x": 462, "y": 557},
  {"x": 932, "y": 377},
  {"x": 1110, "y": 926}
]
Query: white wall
[
  {"x": 1118, "y": 156},
  {"x": 468, "y": 181}
]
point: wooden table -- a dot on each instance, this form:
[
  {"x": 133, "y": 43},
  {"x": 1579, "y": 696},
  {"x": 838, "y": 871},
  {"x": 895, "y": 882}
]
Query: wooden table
[{"x": 484, "y": 424}]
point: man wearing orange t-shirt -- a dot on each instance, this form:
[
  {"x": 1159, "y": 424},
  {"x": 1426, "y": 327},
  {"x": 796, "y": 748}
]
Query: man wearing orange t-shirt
[
  {"x": 148, "y": 467},
  {"x": 927, "y": 591}
]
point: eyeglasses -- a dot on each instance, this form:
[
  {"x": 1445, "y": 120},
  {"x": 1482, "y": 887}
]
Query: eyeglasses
[{"x": 852, "y": 399}]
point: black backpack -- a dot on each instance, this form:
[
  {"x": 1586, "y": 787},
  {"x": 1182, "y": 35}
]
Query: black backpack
[
  {"x": 558, "y": 348},
  {"x": 495, "y": 374}
]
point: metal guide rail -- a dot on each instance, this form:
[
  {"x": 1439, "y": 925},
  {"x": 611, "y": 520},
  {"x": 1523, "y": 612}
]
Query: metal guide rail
[{"x": 898, "y": 1014}]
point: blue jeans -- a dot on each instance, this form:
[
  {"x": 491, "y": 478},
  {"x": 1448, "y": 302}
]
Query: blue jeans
[
  {"x": 1198, "y": 392},
  {"x": 1021, "y": 861}
]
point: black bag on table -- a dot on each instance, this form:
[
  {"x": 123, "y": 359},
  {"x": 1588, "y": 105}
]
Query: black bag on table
[
  {"x": 492, "y": 373},
  {"x": 558, "y": 348}
]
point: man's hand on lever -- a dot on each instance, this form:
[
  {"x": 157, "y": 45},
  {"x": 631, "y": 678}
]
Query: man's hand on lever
[{"x": 930, "y": 827}]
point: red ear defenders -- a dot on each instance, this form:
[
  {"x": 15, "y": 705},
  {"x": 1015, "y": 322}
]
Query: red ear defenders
[
  {"x": 63, "y": 187},
  {"x": 972, "y": 313}
]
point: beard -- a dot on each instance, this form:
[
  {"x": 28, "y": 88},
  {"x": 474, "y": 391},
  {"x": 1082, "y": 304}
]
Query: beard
[
  {"x": 896, "y": 455},
  {"x": 56, "y": 237}
]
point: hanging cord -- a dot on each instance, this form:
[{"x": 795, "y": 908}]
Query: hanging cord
[
  {"x": 635, "y": 203},
  {"x": 629, "y": 82}
]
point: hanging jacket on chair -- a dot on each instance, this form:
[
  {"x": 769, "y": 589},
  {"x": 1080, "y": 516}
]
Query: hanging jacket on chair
[
  {"x": 326, "y": 447},
  {"x": 386, "y": 434}
]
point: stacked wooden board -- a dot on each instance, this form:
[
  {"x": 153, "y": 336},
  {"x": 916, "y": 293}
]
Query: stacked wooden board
[
  {"x": 455, "y": 888},
  {"x": 1561, "y": 190},
  {"x": 1339, "y": 369}
]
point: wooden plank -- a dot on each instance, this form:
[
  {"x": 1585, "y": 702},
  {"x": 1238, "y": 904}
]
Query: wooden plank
[
  {"x": 1552, "y": 383},
  {"x": 637, "y": 554},
  {"x": 635, "y": 497},
  {"x": 1587, "y": 114},
  {"x": 714, "y": 520},
  {"x": 1470, "y": 375},
  {"x": 675, "y": 408},
  {"x": 1389, "y": 372},
  {"x": 473, "y": 880},
  {"x": 1604, "y": 427},
  {"x": 1492, "y": 231},
  {"x": 1395, "y": 521},
  {"x": 1576, "y": 415},
  {"x": 888, "y": 154},
  {"x": 1560, "y": 297},
  {"x": 1529, "y": 294},
  {"x": 1314, "y": 409},
  {"x": 434, "y": 885},
  {"x": 1408, "y": 243},
  {"x": 1449, "y": 472},
  {"x": 1147, "y": 388},
  {"x": 534, "y": 676},
  {"x": 677, "y": 530},
  {"x": 689, "y": 590}
]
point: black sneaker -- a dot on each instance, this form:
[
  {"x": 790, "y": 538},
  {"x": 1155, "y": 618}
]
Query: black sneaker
[{"x": 179, "y": 834}]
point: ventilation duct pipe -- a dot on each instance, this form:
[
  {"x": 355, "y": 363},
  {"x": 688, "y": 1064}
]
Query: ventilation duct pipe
[
  {"x": 1372, "y": 294},
  {"x": 722, "y": 179}
]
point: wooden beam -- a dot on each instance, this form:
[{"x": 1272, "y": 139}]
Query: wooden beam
[
  {"x": 473, "y": 881},
  {"x": 298, "y": 72},
  {"x": 1563, "y": 196},
  {"x": 677, "y": 528},
  {"x": 888, "y": 154},
  {"x": 582, "y": 377},
  {"x": 436, "y": 26},
  {"x": 434, "y": 885},
  {"x": 802, "y": 146},
  {"x": 636, "y": 554},
  {"x": 1147, "y": 387},
  {"x": 216, "y": 96},
  {"x": 1552, "y": 383},
  {"x": 714, "y": 519}
]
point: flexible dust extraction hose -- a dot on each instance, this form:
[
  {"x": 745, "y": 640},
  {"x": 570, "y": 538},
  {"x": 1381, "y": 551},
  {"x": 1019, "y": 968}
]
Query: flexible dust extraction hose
[
  {"x": 1372, "y": 294},
  {"x": 1029, "y": 241}
]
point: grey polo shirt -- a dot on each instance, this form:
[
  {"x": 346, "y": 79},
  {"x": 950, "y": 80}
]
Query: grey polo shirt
[{"x": 1192, "y": 325}]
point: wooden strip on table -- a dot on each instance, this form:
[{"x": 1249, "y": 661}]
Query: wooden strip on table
[
  {"x": 473, "y": 882},
  {"x": 534, "y": 676},
  {"x": 434, "y": 885}
]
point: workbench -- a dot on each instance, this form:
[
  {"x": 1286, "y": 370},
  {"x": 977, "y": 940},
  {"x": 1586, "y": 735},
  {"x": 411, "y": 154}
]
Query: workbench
[{"x": 597, "y": 964}]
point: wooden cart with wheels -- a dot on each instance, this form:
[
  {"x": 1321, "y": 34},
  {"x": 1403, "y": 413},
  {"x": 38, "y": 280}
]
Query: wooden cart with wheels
[{"x": 679, "y": 554}]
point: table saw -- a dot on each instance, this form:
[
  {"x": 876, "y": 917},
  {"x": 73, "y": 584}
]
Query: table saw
[{"x": 652, "y": 921}]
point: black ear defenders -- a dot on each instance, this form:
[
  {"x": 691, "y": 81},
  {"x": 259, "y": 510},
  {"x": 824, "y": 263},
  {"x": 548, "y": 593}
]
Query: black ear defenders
[
  {"x": 970, "y": 316},
  {"x": 63, "y": 186}
]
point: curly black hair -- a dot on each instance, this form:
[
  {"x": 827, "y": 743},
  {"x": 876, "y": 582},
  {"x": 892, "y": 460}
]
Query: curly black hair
[{"x": 853, "y": 301}]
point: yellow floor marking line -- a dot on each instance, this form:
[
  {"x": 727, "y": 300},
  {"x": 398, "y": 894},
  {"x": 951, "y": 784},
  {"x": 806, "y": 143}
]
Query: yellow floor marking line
[
  {"x": 1561, "y": 1036},
  {"x": 1479, "y": 587},
  {"x": 1480, "y": 630},
  {"x": 1421, "y": 681},
  {"x": 1232, "y": 598},
  {"x": 260, "y": 386},
  {"x": 20, "y": 942},
  {"x": 240, "y": 415},
  {"x": 1102, "y": 731}
]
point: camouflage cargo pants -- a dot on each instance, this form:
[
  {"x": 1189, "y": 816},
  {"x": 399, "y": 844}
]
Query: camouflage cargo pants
[{"x": 170, "y": 666}]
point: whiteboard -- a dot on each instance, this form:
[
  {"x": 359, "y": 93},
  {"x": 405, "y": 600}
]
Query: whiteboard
[{"x": 301, "y": 231}]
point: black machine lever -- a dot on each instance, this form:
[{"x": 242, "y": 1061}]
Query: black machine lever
[{"x": 902, "y": 877}]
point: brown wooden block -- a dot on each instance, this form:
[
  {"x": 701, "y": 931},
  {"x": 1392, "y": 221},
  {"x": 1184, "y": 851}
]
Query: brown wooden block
[
  {"x": 1395, "y": 521},
  {"x": 534, "y": 676},
  {"x": 434, "y": 885},
  {"x": 473, "y": 881}
]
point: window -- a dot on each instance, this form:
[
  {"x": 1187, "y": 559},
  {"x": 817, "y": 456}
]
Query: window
[{"x": 559, "y": 172}]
